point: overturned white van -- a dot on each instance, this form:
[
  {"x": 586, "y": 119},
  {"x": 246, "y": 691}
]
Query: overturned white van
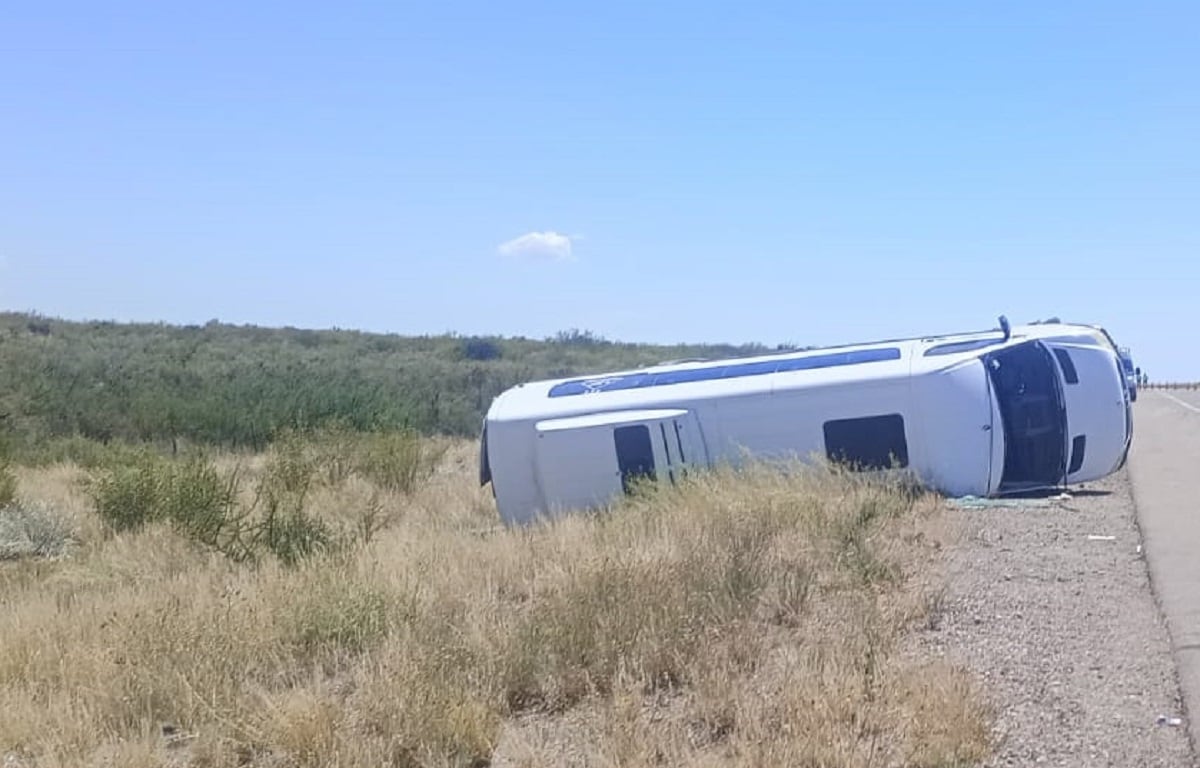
[{"x": 986, "y": 413}]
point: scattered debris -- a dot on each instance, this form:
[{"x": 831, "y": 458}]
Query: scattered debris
[
  {"x": 980, "y": 502},
  {"x": 174, "y": 737},
  {"x": 1095, "y": 537},
  {"x": 1168, "y": 720}
]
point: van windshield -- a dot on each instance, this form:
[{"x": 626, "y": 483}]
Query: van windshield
[{"x": 1029, "y": 393}]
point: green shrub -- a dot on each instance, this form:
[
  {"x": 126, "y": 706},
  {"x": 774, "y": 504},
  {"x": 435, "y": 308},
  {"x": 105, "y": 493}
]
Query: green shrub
[
  {"x": 292, "y": 534},
  {"x": 334, "y": 449},
  {"x": 476, "y": 348},
  {"x": 8, "y": 479},
  {"x": 129, "y": 496},
  {"x": 290, "y": 468},
  {"x": 204, "y": 505},
  {"x": 8, "y": 483},
  {"x": 396, "y": 461}
]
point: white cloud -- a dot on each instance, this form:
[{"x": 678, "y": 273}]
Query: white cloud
[{"x": 539, "y": 246}]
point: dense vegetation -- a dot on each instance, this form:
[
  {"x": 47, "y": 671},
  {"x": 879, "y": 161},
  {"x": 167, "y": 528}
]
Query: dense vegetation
[{"x": 236, "y": 386}]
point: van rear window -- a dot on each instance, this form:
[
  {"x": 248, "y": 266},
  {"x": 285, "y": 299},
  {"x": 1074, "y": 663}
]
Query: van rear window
[{"x": 873, "y": 442}]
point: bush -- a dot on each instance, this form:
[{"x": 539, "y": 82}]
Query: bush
[
  {"x": 578, "y": 338},
  {"x": 203, "y": 504},
  {"x": 8, "y": 479},
  {"x": 479, "y": 349},
  {"x": 31, "y": 530},
  {"x": 333, "y": 447},
  {"x": 8, "y": 483},
  {"x": 128, "y": 497},
  {"x": 396, "y": 461},
  {"x": 291, "y": 534},
  {"x": 290, "y": 468}
]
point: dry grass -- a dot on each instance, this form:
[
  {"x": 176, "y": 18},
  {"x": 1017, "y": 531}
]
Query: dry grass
[{"x": 743, "y": 618}]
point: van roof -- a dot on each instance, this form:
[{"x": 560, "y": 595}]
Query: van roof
[{"x": 667, "y": 385}]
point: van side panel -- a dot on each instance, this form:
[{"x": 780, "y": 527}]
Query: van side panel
[
  {"x": 579, "y": 467},
  {"x": 587, "y": 461},
  {"x": 956, "y": 429},
  {"x": 791, "y": 423}
]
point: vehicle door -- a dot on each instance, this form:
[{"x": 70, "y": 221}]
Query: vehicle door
[{"x": 585, "y": 461}]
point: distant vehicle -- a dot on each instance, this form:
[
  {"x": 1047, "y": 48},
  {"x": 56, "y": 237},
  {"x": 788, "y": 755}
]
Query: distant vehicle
[
  {"x": 1131, "y": 373},
  {"x": 985, "y": 413}
]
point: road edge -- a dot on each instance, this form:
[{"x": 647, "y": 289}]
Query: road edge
[{"x": 1165, "y": 556}]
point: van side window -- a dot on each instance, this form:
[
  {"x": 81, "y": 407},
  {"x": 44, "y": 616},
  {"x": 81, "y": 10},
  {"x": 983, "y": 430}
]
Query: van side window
[
  {"x": 635, "y": 455},
  {"x": 954, "y": 347},
  {"x": 1078, "y": 447},
  {"x": 1068, "y": 367},
  {"x": 873, "y": 442}
]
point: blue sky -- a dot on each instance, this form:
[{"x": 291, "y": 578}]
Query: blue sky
[{"x": 813, "y": 173}]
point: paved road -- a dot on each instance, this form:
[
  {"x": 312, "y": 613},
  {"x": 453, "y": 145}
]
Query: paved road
[{"x": 1164, "y": 466}]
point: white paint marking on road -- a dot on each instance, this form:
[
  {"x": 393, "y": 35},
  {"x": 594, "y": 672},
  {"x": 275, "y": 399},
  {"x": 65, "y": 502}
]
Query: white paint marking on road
[{"x": 1189, "y": 406}]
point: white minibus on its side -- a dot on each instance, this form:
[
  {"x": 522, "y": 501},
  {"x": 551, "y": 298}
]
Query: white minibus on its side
[{"x": 1038, "y": 406}]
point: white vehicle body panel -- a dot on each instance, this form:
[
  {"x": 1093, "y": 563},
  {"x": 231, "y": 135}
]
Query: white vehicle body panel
[
  {"x": 577, "y": 466},
  {"x": 956, "y": 430}
]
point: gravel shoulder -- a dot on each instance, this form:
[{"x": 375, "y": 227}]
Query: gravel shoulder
[{"x": 1063, "y": 631}]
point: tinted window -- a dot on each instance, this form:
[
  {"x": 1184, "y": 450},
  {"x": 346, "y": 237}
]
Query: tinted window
[
  {"x": 1026, "y": 384},
  {"x": 954, "y": 347},
  {"x": 722, "y": 371},
  {"x": 1068, "y": 367},
  {"x": 1078, "y": 447},
  {"x": 868, "y": 443},
  {"x": 635, "y": 455}
]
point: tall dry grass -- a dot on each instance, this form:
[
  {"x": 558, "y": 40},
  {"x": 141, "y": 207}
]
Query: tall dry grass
[{"x": 746, "y": 617}]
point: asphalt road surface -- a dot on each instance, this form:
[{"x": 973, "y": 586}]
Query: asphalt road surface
[{"x": 1165, "y": 469}]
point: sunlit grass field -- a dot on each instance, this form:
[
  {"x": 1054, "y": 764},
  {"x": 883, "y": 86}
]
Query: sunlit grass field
[{"x": 351, "y": 600}]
